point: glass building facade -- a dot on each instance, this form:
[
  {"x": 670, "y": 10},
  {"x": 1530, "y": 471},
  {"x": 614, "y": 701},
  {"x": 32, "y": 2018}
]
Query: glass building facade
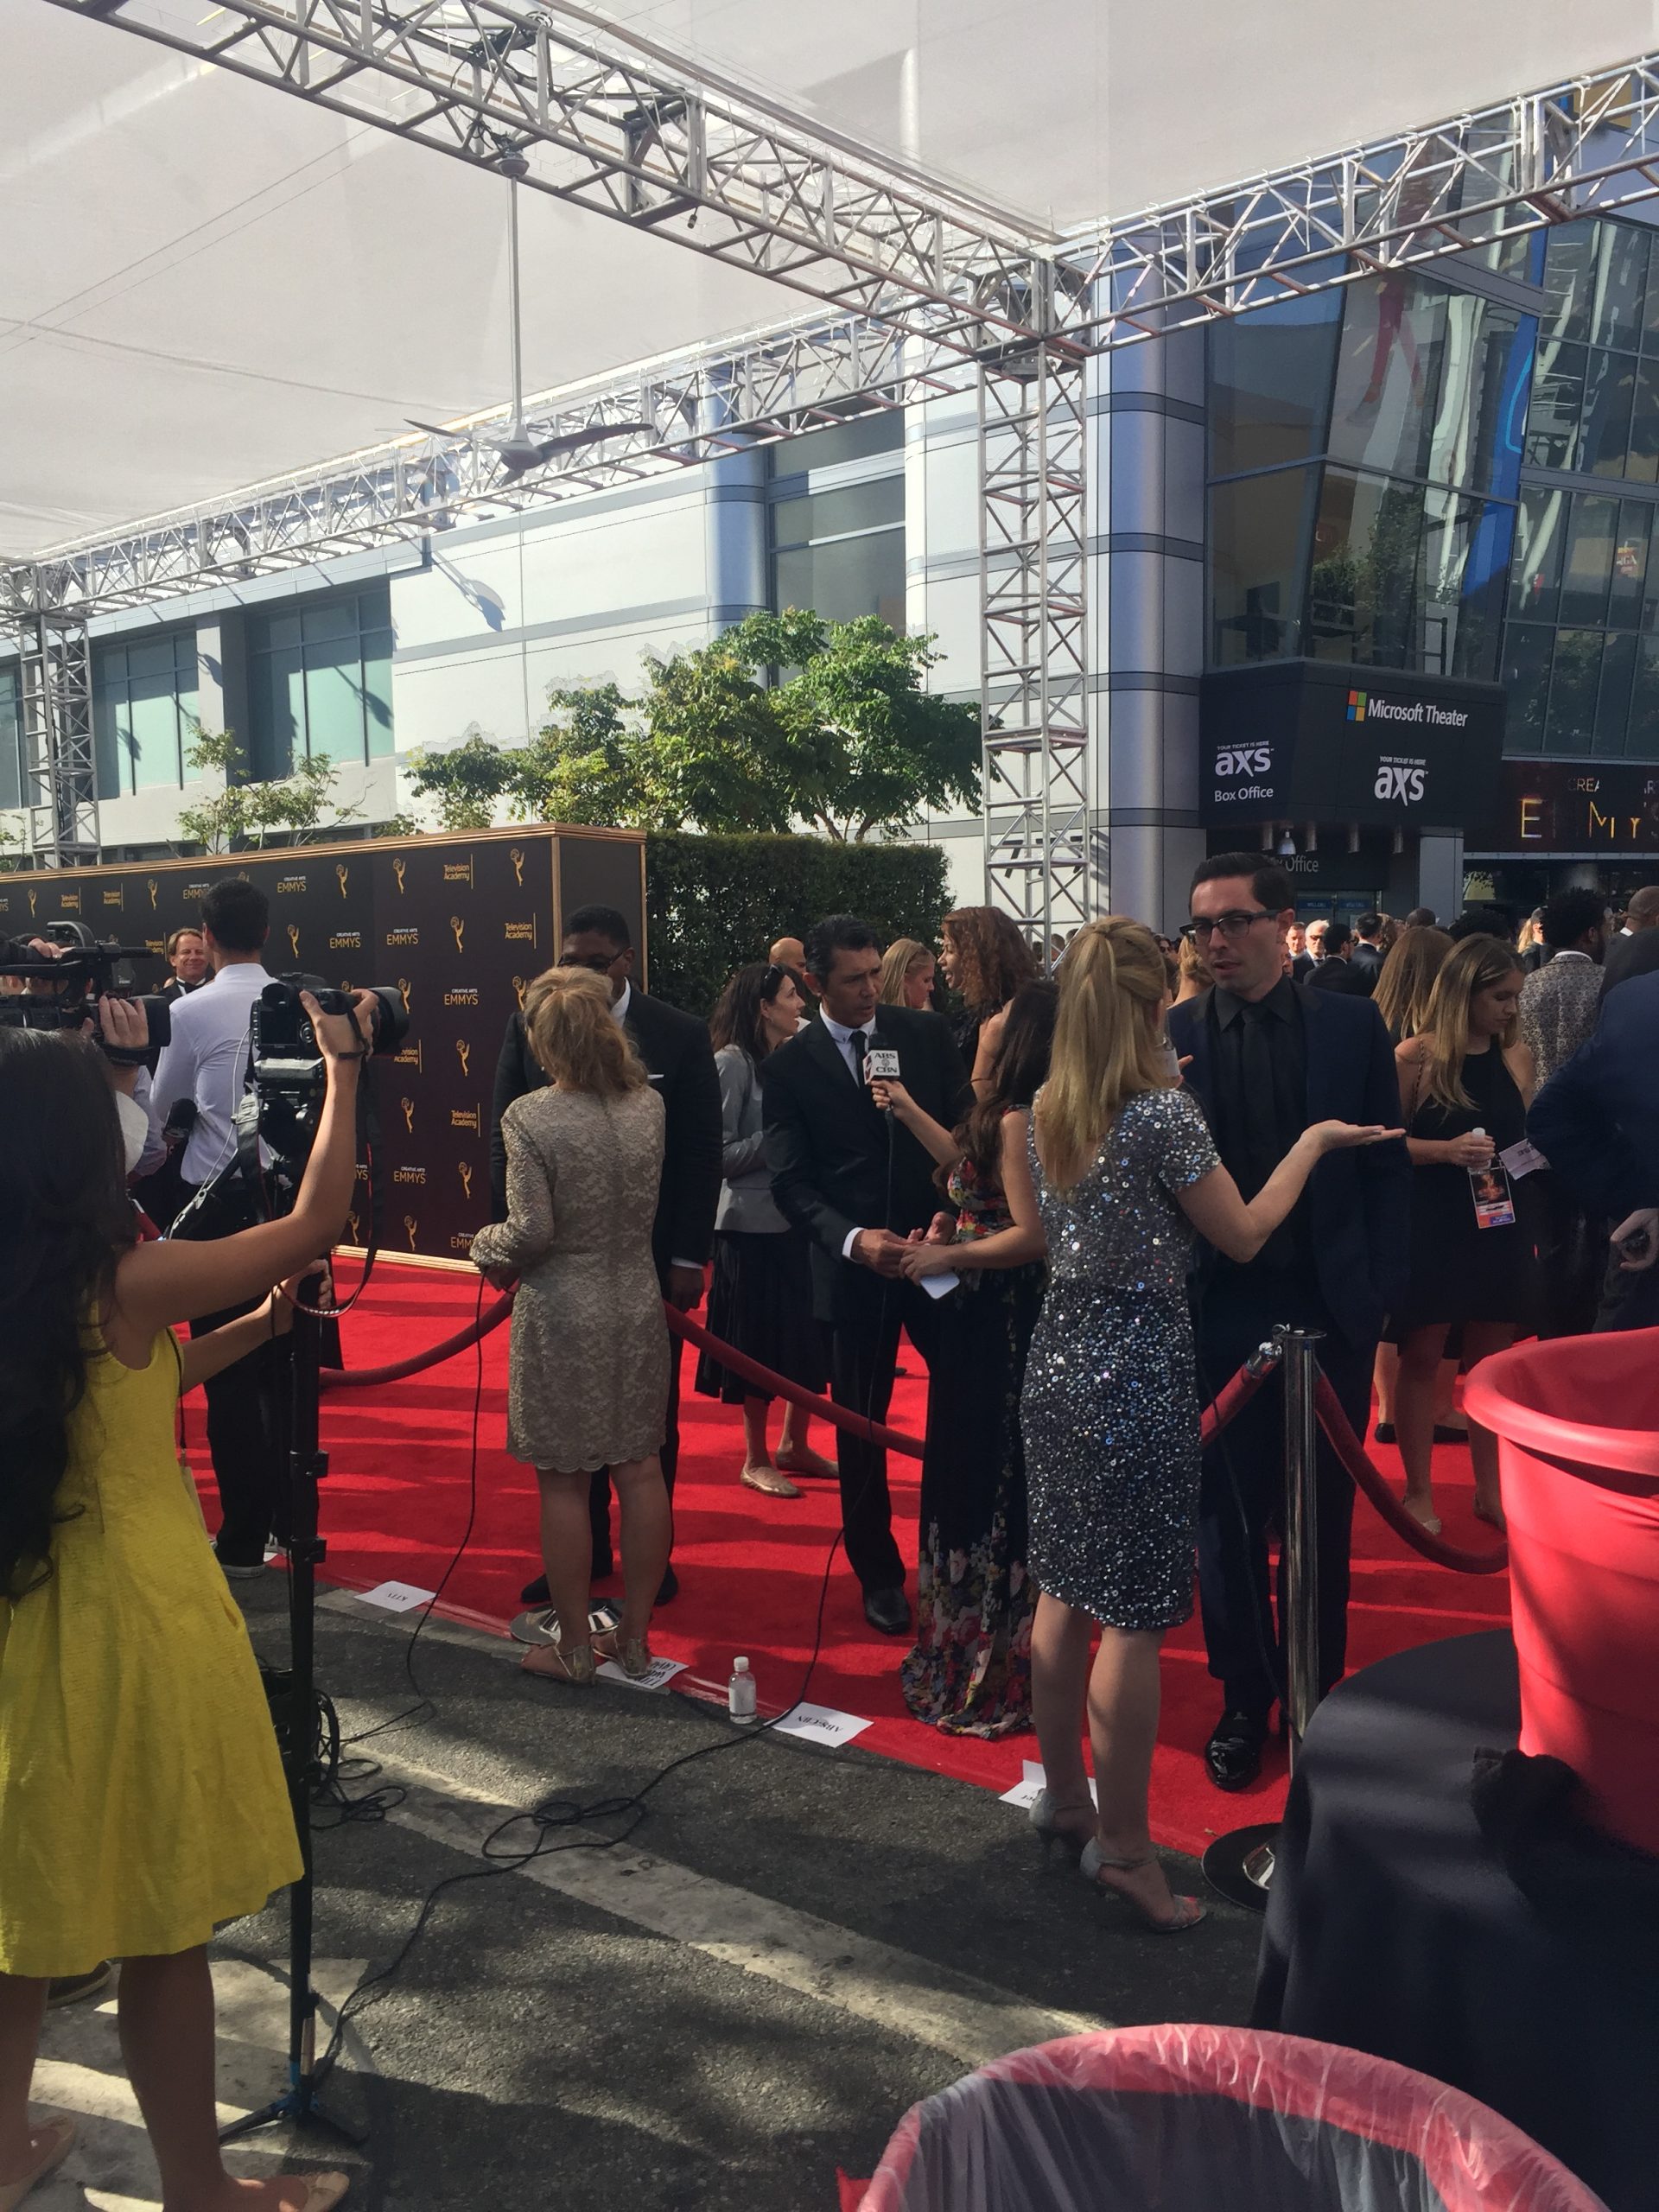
[
  {"x": 143, "y": 711},
  {"x": 1405, "y": 474},
  {"x": 836, "y": 517},
  {"x": 319, "y": 681}
]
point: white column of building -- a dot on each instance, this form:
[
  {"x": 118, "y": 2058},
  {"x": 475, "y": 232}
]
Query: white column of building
[{"x": 1146, "y": 550}]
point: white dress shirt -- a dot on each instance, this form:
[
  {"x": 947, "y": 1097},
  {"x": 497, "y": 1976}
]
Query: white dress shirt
[
  {"x": 206, "y": 1061},
  {"x": 840, "y": 1037}
]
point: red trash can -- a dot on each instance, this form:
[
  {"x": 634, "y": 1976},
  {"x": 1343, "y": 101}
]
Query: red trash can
[
  {"x": 1211, "y": 2119},
  {"x": 1577, "y": 1421}
]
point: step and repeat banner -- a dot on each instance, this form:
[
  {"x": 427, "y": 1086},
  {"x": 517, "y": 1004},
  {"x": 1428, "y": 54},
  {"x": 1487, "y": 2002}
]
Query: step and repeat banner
[{"x": 460, "y": 925}]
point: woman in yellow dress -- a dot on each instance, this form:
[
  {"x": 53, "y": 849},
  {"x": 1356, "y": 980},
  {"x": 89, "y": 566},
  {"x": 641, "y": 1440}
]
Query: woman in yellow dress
[{"x": 141, "y": 1798}]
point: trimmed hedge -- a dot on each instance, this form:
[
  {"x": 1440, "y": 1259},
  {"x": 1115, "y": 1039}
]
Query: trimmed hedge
[{"x": 712, "y": 903}]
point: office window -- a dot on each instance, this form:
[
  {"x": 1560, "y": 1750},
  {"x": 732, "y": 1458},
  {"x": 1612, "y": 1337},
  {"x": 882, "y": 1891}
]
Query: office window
[
  {"x": 852, "y": 441},
  {"x": 1528, "y": 649},
  {"x": 1407, "y": 575},
  {"x": 319, "y": 681},
  {"x": 1270, "y": 377},
  {"x": 1258, "y": 553},
  {"x": 841, "y": 553},
  {"x": 13, "y": 783},
  {"x": 143, "y": 711}
]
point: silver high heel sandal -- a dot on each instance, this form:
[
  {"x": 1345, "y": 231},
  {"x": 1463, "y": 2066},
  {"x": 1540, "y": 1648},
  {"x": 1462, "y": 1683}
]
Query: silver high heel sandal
[
  {"x": 1188, "y": 1911},
  {"x": 1044, "y": 1810}
]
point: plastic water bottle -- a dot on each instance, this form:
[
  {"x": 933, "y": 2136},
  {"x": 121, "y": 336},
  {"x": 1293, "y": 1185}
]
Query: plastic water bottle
[{"x": 739, "y": 1692}]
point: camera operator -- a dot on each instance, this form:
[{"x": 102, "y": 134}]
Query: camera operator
[
  {"x": 205, "y": 1062},
  {"x": 142, "y": 1795},
  {"x": 44, "y": 989}
]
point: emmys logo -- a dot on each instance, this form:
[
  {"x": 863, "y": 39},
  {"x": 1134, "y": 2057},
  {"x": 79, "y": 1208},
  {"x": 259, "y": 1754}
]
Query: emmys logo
[
  {"x": 519, "y": 986},
  {"x": 408, "y": 1105},
  {"x": 409, "y": 1223},
  {"x": 459, "y": 929},
  {"x": 406, "y": 988},
  {"x": 33, "y": 896},
  {"x": 516, "y": 854},
  {"x": 152, "y": 886},
  {"x": 406, "y": 933},
  {"x": 342, "y": 874},
  {"x": 464, "y": 994},
  {"x": 409, "y": 1174},
  {"x": 463, "y": 1053},
  {"x": 294, "y": 939},
  {"x": 290, "y": 883},
  {"x": 357, "y": 1234},
  {"x": 346, "y": 941},
  {"x": 464, "y": 1169},
  {"x": 400, "y": 869}
]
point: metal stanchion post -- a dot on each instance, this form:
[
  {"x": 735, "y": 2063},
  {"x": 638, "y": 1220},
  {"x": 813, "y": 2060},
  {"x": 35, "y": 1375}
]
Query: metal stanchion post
[{"x": 1240, "y": 1863}]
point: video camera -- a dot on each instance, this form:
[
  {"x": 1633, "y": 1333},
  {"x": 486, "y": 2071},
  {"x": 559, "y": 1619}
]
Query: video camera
[
  {"x": 287, "y": 1073},
  {"x": 83, "y": 973}
]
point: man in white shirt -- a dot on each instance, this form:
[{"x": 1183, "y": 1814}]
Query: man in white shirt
[{"x": 206, "y": 1063}]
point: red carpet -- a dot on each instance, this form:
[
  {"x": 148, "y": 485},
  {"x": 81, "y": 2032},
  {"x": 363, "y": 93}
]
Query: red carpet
[{"x": 394, "y": 1505}]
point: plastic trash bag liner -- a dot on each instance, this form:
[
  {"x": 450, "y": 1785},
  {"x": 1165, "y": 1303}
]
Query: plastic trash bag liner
[{"x": 1211, "y": 2119}]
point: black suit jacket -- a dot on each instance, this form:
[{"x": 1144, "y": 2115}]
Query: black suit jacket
[
  {"x": 837, "y": 1162},
  {"x": 1636, "y": 955},
  {"x": 1359, "y": 1202},
  {"x": 1345, "y": 977},
  {"x": 680, "y": 1061},
  {"x": 1366, "y": 960},
  {"x": 1597, "y": 1120}
]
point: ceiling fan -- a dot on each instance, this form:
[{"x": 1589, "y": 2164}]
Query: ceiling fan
[{"x": 520, "y": 452}]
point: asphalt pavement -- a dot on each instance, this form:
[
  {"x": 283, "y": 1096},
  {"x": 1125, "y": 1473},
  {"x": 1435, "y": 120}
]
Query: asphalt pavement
[{"x": 711, "y": 1996}]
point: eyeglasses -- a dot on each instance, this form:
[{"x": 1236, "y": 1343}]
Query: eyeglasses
[
  {"x": 1232, "y": 926},
  {"x": 597, "y": 963}
]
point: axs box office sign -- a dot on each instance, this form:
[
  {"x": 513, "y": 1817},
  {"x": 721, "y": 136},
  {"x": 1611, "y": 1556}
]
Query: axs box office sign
[{"x": 1313, "y": 742}]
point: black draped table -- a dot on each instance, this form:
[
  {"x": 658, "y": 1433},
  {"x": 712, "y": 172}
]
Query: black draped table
[{"x": 1515, "y": 1956}]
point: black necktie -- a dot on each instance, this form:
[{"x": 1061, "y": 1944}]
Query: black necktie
[
  {"x": 1255, "y": 1071},
  {"x": 860, "y": 1044}
]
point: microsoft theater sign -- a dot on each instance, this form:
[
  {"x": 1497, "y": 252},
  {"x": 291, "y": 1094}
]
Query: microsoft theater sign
[{"x": 1313, "y": 741}]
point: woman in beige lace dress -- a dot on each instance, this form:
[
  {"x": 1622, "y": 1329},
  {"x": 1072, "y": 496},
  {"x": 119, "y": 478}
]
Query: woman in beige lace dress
[{"x": 587, "y": 1380}]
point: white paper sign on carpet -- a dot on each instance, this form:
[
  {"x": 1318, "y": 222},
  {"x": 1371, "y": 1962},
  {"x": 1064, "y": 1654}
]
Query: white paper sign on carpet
[
  {"x": 656, "y": 1676},
  {"x": 1024, "y": 1792},
  {"x": 820, "y": 1724},
  {"x": 395, "y": 1597}
]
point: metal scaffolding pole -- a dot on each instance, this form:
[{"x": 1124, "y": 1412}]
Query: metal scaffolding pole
[
  {"x": 1033, "y": 660},
  {"x": 56, "y": 683}
]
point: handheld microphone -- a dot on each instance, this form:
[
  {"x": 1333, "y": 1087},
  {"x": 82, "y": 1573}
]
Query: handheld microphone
[{"x": 881, "y": 1066}]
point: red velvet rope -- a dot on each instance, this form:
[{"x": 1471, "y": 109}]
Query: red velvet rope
[
  {"x": 1354, "y": 1458},
  {"x": 1230, "y": 1401}
]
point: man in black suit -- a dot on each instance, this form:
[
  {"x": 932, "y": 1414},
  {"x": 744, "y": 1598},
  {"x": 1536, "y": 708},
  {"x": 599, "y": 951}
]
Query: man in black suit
[
  {"x": 1337, "y": 972},
  {"x": 1635, "y": 949},
  {"x": 1365, "y": 954},
  {"x": 860, "y": 1186},
  {"x": 1266, "y": 1057},
  {"x": 680, "y": 1062},
  {"x": 1597, "y": 1122}
]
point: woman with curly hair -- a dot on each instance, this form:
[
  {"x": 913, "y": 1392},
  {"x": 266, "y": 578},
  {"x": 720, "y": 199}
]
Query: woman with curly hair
[
  {"x": 970, "y": 1671},
  {"x": 985, "y": 960}
]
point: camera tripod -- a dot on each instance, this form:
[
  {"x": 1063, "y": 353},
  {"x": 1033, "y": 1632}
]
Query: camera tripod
[{"x": 306, "y": 1465}]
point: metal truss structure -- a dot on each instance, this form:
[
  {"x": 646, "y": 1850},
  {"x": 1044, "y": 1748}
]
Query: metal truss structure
[
  {"x": 743, "y": 392},
  {"x": 56, "y": 702},
  {"x": 1034, "y": 664},
  {"x": 926, "y": 279}
]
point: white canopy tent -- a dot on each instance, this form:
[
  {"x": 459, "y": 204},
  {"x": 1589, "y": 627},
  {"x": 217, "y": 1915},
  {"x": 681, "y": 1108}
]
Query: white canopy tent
[
  {"x": 231, "y": 252},
  {"x": 203, "y": 284}
]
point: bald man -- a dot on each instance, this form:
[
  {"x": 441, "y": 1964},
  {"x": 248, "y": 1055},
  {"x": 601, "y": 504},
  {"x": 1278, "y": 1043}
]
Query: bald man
[
  {"x": 1635, "y": 950},
  {"x": 788, "y": 952}
]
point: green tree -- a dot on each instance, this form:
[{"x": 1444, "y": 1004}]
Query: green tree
[
  {"x": 588, "y": 763},
  {"x": 247, "y": 811},
  {"x": 11, "y": 842},
  {"x": 467, "y": 781}
]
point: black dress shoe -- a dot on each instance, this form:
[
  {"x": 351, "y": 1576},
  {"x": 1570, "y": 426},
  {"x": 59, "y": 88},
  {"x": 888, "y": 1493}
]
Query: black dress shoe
[
  {"x": 1233, "y": 1755},
  {"x": 887, "y": 1609},
  {"x": 537, "y": 1594},
  {"x": 671, "y": 1589}
]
